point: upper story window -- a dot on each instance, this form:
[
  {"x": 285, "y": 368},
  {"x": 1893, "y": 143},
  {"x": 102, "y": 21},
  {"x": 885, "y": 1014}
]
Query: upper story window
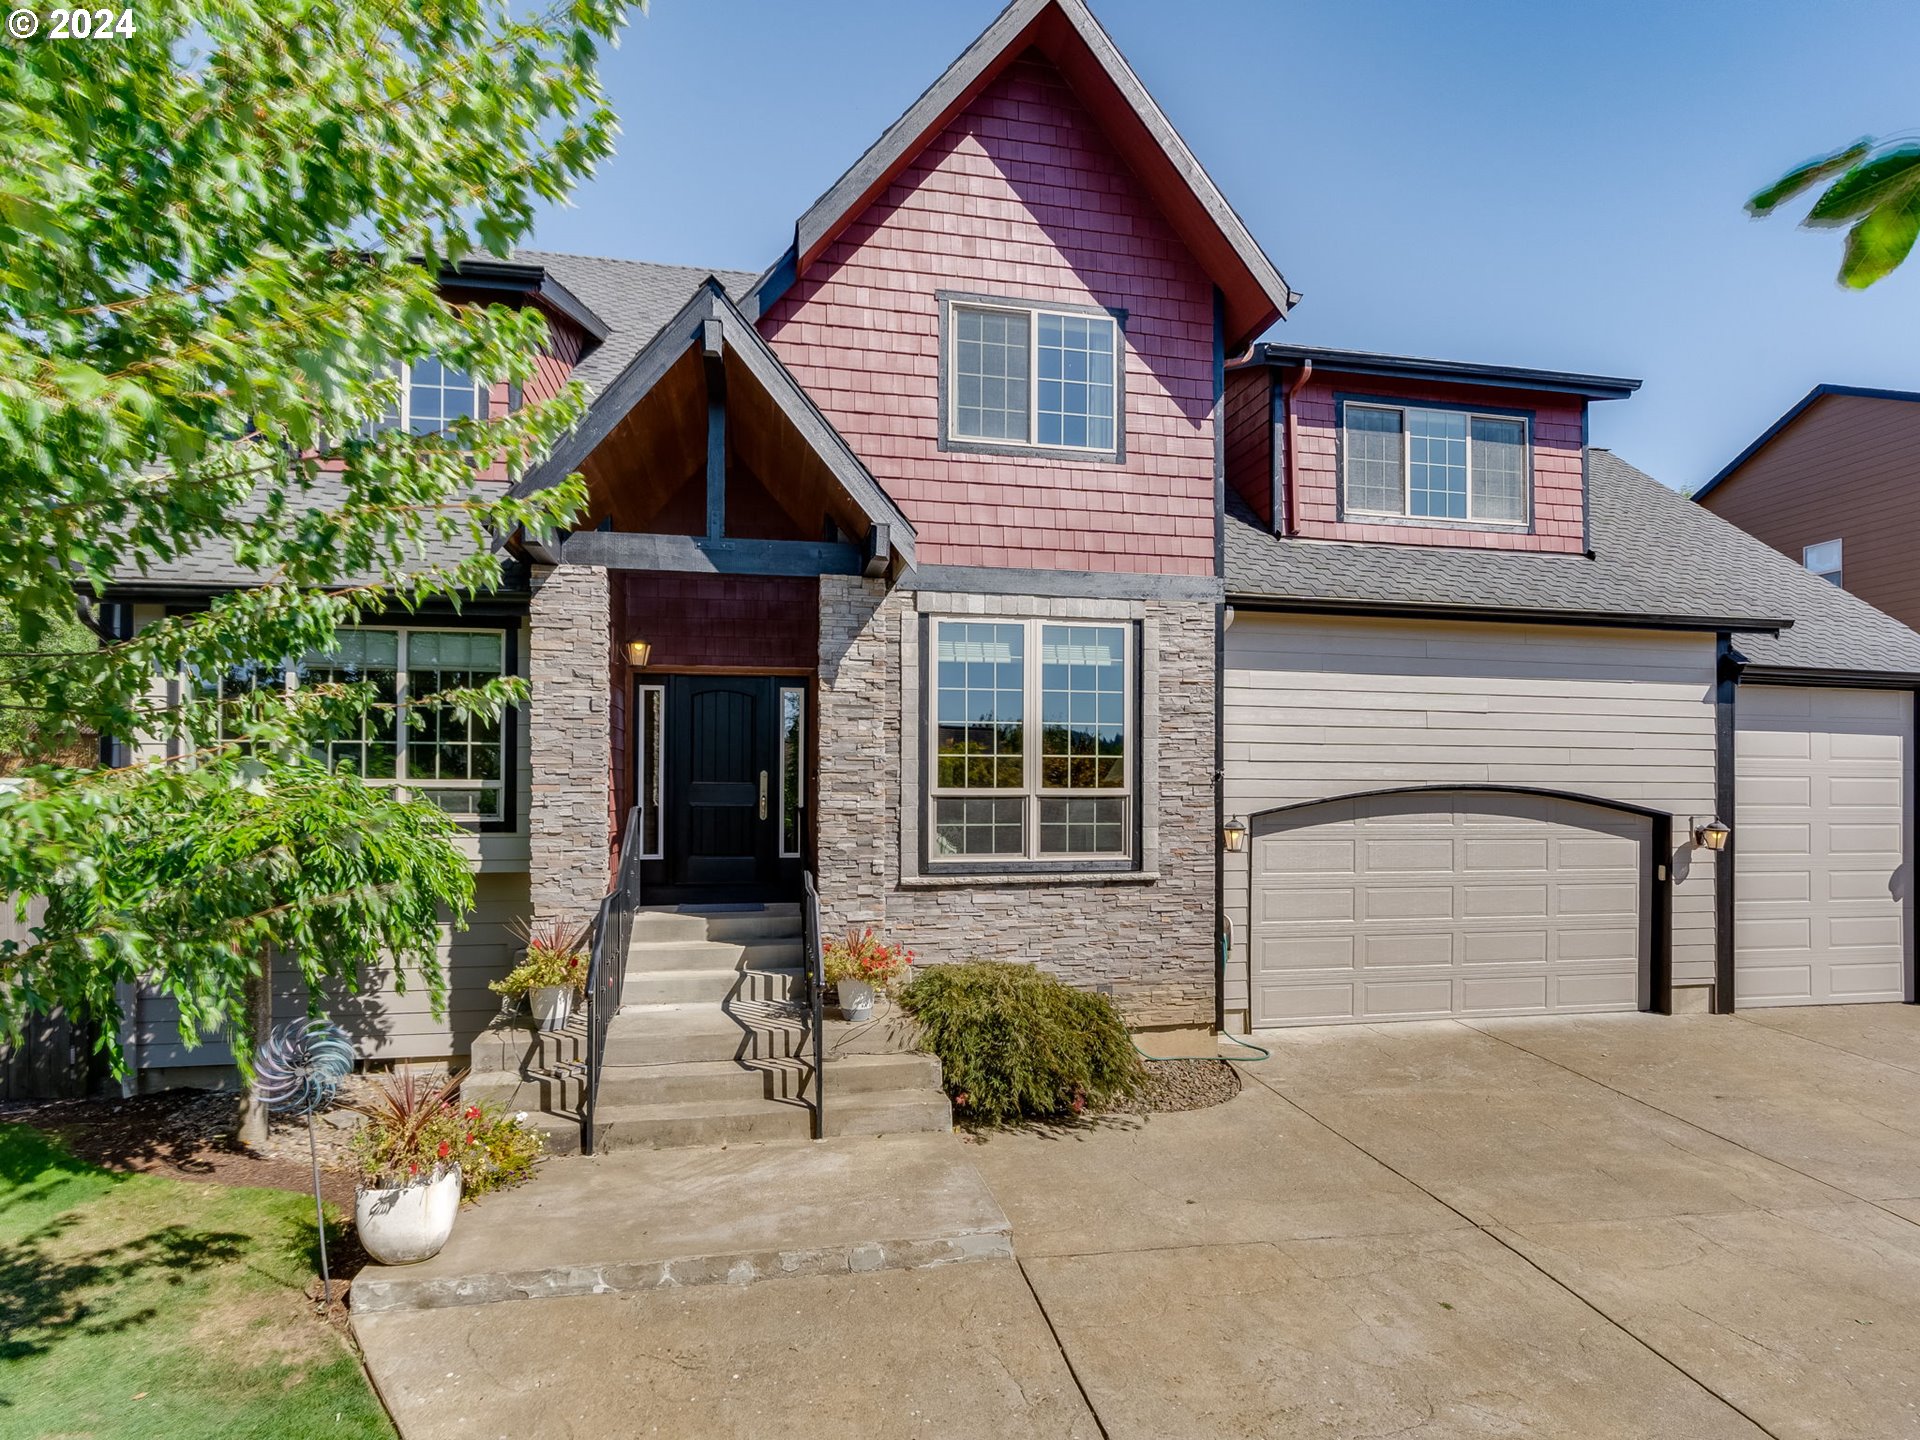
[
  {"x": 1435, "y": 464},
  {"x": 1031, "y": 377},
  {"x": 1031, "y": 741},
  {"x": 1823, "y": 560},
  {"x": 433, "y": 396}
]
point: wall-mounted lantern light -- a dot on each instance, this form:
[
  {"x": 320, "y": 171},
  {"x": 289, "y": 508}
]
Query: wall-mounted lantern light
[
  {"x": 1712, "y": 836},
  {"x": 639, "y": 652},
  {"x": 1233, "y": 835}
]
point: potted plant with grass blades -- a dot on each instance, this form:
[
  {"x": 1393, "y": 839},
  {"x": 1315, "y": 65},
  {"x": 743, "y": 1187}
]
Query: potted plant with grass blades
[
  {"x": 861, "y": 964},
  {"x": 553, "y": 969},
  {"x": 409, "y": 1170},
  {"x": 419, "y": 1152}
]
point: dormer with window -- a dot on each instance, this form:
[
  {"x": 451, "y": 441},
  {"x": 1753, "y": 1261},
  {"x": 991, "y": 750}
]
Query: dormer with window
[{"x": 1340, "y": 445}]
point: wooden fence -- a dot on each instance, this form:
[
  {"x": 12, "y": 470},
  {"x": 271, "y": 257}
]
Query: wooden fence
[{"x": 54, "y": 1059}]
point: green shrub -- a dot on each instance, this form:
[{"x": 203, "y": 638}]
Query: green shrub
[{"x": 1016, "y": 1044}]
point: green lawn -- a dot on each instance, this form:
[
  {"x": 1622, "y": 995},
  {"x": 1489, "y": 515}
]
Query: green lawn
[{"x": 136, "y": 1306}]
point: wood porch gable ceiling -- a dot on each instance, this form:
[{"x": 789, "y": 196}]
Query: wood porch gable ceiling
[{"x": 705, "y": 453}]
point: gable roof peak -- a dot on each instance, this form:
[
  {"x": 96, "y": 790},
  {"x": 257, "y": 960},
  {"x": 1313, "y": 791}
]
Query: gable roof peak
[{"x": 1066, "y": 32}]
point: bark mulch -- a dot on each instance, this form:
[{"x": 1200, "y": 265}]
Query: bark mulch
[{"x": 186, "y": 1135}]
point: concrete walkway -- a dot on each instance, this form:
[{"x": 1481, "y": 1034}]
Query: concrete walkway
[
  {"x": 669, "y": 1219},
  {"x": 1611, "y": 1227}
]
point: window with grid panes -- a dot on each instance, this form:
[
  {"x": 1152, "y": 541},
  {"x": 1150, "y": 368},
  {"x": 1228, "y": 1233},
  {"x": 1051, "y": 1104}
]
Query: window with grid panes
[
  {"x": 456, "y": 761},
  {"x": 1030, "y": 747}
]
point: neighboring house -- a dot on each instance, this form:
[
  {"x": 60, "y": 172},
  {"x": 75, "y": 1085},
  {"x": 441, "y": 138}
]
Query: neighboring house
[
  {"x": 1834, "y": 484},
  {"x": 952, "y": 561}
]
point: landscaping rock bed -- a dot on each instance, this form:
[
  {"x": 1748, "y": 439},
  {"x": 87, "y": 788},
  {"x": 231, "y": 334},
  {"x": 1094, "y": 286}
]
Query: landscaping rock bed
[{"x": 1187, "y": 1085}]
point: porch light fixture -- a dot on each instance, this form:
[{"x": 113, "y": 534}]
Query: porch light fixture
[
  {"x": 1233, "y": 835},
  {"x": 639, "y": 652},
  {"x": 1712, "y": 836}
]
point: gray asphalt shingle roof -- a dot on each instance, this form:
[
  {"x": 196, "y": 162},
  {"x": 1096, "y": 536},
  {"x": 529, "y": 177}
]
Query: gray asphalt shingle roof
[
  {"x": 634, "y": 297},
  {"x": 1655, "y": 553}
]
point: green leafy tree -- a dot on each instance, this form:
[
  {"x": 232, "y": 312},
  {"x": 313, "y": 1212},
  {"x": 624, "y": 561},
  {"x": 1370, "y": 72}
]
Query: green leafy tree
[
  {"x": 219, "y": 240},
  {"x": 1873, "y": 194}
]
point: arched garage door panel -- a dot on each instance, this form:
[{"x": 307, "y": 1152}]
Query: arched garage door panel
[{"x": 1437, "y": 903}]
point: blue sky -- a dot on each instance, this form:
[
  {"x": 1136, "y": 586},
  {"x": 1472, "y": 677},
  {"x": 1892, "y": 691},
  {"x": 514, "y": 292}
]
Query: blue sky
[{"x": 1535, "y": 184}]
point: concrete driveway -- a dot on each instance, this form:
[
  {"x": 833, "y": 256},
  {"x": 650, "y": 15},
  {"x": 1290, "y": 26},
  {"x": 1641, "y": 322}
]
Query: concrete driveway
[
  {"x": 1612, "y": 1227},
  {"x": 1618, "y": 1226}
]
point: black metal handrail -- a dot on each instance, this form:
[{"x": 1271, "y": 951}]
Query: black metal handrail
[
  {"x": 607, "y": 971},
  {"x": 816, "y": 963}
]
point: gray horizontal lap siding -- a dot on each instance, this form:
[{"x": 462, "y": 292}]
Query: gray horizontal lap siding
[
  {"x": 1318, "y": 707},
  {"x": 384, "y": 1025}
]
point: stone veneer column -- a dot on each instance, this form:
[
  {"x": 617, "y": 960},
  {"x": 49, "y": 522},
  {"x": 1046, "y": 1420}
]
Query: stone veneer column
[
  {"x": 857, "y": 729},
  {"x": 569, "y": 676},
  {"x": 1146, "y": 939}
]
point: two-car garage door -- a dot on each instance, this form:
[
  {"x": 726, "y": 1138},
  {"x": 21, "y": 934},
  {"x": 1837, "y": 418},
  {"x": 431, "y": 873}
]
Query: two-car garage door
[
  {"x": 1436, "y": 903},
  {"x": 1821, "y": 845}
]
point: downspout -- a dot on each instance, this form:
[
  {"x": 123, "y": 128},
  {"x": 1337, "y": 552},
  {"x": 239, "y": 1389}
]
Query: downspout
[{"x": 1283, "y": 511}]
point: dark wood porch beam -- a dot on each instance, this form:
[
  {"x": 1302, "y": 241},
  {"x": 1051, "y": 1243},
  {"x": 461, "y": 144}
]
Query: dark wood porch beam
[
  {"x": 713, "y": 351},
  {"x": 877, "y": 553},
  {"x": 707, "y": 556}
]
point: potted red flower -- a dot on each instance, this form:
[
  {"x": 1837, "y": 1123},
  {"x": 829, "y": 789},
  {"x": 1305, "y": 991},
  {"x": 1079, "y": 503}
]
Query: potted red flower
[
  {"x": 862, "y": 964},
  {"x": 553, "y": 970}
]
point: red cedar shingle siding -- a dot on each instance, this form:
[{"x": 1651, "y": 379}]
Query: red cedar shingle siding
[
  {"x": 551, "y": 370},
  {"x": 1021, "y": 196},
  {"x": 1849, "y": 470},
  {"x": 1559, "y": 492},
  {"x": 1249, "y": 439}
]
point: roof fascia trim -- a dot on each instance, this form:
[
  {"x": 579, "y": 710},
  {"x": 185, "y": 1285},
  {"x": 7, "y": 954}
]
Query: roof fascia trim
[
  {"x": 1509, "y": 614},
  {"x": 1456, "y": 372},
  {"x": 1752, "y": 674},
  {"x": 523, "y": 278}
]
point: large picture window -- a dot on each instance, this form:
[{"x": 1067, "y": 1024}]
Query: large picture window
[
  {"x": 1032, "y": 378},
  {"x": 456, "y": 761},
  {"x": 1435, "y": 464},
  {"x": 1031, "y": 745}
]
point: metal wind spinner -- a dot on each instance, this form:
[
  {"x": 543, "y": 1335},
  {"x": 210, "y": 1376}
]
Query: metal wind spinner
[
  {"x": 301, "y": 1065},
  {"x": 296, "y": 1072}
]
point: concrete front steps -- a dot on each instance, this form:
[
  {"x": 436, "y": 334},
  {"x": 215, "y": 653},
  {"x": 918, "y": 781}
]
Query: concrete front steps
[{"x": 712, "y": 1045}]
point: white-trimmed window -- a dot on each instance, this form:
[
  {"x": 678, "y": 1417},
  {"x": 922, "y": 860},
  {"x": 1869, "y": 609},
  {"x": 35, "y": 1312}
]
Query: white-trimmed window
[
  {"x": 1823, "y": 560},
  {"x": 433, "y": 396},
  {"x": 1031, "y": 747},
  {"x": 1033, "y": 378},
  {"x": 458, "y": 762},
  {"x": 1421, "y": 464}
]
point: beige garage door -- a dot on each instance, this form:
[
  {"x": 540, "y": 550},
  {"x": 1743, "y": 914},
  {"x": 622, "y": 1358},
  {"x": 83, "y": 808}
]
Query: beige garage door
[
  {"x": 1447, "y": 903},
  {"x": 1821, "y": 845}
]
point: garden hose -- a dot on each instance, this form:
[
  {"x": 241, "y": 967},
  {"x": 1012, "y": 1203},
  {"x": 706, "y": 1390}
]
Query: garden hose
[{"x": 1253, "y": 1059}]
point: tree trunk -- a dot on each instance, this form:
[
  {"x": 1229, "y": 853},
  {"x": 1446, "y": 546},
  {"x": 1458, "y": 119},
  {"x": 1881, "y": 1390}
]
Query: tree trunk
[{"x": 250, "y": 1127}]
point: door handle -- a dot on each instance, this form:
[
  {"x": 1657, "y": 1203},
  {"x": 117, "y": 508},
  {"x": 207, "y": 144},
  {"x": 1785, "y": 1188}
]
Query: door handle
[{"x": 763, "y": 794}]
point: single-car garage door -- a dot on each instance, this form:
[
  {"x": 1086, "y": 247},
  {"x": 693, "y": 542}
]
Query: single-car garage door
[
  {"x": 1820, "y": 845},
  {"x": 1436, "y": 903}
]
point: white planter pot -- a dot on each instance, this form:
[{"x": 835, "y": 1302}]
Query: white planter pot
[
  {"x": 856, "y": 998},
  {"x": 410, "y": 1223},
  {"x": 552, "y": 1006}
]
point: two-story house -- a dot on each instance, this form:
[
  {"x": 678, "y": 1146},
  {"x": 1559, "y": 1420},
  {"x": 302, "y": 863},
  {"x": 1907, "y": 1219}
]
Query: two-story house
[{"x": 977, "y": 560}]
